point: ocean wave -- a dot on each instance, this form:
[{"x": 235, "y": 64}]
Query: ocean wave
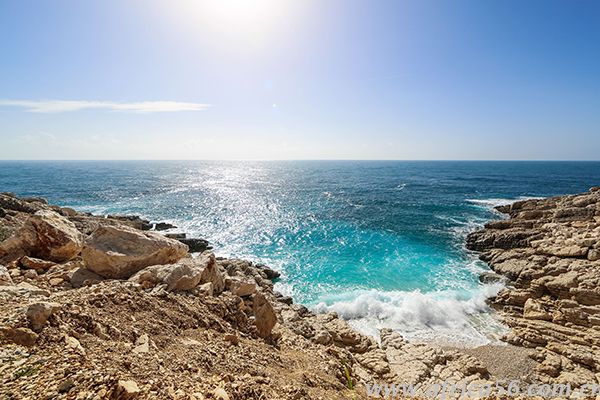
[
  {"x": 496, "y": 202},
  {"x": 451, "y": 317}
]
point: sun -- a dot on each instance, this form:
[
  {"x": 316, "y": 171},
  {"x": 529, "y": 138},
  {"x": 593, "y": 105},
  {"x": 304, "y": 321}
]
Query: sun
[{"x": 243, "y": 22}]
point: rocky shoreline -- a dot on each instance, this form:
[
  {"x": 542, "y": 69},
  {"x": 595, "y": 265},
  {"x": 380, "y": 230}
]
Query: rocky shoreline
[
  {"x": 548, "y": 250},
  {"x": 99, "y": 307}
]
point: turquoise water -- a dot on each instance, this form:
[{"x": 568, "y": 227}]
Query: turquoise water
[{"x": 381, "y": 243}]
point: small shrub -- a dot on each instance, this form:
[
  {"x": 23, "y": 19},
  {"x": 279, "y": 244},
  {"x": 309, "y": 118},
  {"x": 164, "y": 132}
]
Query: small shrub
[
  {"x": 27, "y": 371},
  {"x": 4, "y": 234}
]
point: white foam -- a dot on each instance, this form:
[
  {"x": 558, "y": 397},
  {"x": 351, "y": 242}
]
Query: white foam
[
  {"x": 496, "y": 202},
  {"x": 446, "y": 317}
]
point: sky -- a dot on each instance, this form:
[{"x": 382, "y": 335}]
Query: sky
[{"x": 300, "y": 79}]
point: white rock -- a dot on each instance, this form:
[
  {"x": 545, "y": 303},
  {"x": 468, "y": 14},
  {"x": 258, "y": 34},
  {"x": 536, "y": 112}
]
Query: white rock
[
  {"x": 5, "y": 279},
  {"x": 46, "y": 235},
  {"x": 187, "y": 274},
  {"x": 265, "y": 317},
  {"x": 241, "y": 287},
  {"x": 120, "y": 252},
  {"x": 38, "y": 314}
]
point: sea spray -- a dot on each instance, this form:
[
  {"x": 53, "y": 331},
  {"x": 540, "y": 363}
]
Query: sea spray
[{"x": 451, "y": 316}]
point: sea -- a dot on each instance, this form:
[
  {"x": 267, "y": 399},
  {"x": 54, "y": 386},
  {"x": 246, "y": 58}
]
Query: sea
[{"x": 379, "y": 242}]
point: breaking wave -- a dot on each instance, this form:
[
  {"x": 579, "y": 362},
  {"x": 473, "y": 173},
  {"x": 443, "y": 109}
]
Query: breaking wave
[{"x": 458, "y": 318}]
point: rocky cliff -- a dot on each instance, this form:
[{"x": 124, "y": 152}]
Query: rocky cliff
[{"x": 549, "y": 252}]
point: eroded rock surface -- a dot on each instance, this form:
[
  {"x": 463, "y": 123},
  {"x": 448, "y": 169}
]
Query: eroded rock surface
[
  {"x": 119, "y": 252},
  {"x": 548, "y": 249}
]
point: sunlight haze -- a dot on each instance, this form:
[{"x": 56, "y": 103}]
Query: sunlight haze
[{"x": 282, "y": 79}]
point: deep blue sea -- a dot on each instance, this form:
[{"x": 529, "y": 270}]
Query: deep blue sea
[{"x": 381, "y": 243}]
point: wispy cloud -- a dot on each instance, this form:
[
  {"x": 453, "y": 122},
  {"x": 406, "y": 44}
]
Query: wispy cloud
[{"x": 60, "y": 106}]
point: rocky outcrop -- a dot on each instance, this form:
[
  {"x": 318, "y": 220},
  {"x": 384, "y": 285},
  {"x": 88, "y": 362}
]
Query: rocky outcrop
[
  {"x": 119, "y": 252},
  {"x": 46, "y": 235},
  {"x": 548, "y": 251},
  {"x": 185, "y": 275},
  {"x": 196, "y": 245}
]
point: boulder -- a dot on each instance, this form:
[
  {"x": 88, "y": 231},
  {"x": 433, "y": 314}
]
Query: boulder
[
  {"x": 533, "y": 309},
  {"x": 5, "y": 279},
  {"x": 126, "y": 390},
  {"x": 57, "y": 238},
  {"x": 195, "y": 245},
  {"x": 491, "y": 277},
  {"x": 220, "y": 394},
  {"x": 241, "y": 287},
  {"x": 163, "y": 226},
  {"x": 20, "y": 336},
  {"x": 265, "y": 317},
  {"x": 184, "y": 275},
  {"x": 46, "y": 235},
  {"x": 594, "y": 255},
  {"x": 269, "y": 272},
  {"x": 120, "y": 252},
  {"x": 36, "y": 263},
  {"x": 38, "y": 314},
  {"x": 10, "y": 202},
  {"x": 83, "y": 277}
]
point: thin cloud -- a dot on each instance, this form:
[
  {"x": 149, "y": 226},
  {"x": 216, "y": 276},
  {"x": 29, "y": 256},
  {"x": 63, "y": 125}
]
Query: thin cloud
[{"x": 61, "y": 106}]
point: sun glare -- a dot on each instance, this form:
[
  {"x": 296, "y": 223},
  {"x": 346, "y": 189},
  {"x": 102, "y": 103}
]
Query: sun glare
[{"x": 246, "y": 22}]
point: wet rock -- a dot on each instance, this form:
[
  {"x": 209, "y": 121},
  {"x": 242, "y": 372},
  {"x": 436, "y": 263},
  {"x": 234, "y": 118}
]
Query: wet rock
[
  {"x": 491, "y": 277},
  {"x": 269, "y": 272},
  {"x": 163, "y": 226},
  {"x": 195, "y": 245},
  {"x": 120, "y": 252}
]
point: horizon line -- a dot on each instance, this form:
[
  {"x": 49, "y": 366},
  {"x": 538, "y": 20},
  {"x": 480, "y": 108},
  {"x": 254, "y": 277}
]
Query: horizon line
[{"x": 303, "y": 159}]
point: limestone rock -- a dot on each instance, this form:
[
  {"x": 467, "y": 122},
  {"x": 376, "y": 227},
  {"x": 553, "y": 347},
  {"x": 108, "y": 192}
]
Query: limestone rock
[
  {"x": 142, "y": 345},
  {"x": 20, "y": 336},
  {"x": 220, "y": 394},
  {"x": 126, "y": 390},
  {"x": 74, "y": 344},
  {"x": 552, "y": 298},
  {"x": 119, "y": 252},
  {"x": 534, "y": 309},
  {"x": 36, "y": 263},
  {"x": 82, "y": 276},
  {"x": 265, "y": 317},
  {"x": 187, "y": 274},
  {"x": 38, "y": 314},
  {"x": 10, "y": 202},
  {"x": 241, "y": 287},
  {"x": 5, "y": 279},
  {"x": 46, "y": 235}
]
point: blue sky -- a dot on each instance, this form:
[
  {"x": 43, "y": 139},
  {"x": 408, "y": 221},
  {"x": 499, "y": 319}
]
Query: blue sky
[{"x": 304, "y": 79}]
